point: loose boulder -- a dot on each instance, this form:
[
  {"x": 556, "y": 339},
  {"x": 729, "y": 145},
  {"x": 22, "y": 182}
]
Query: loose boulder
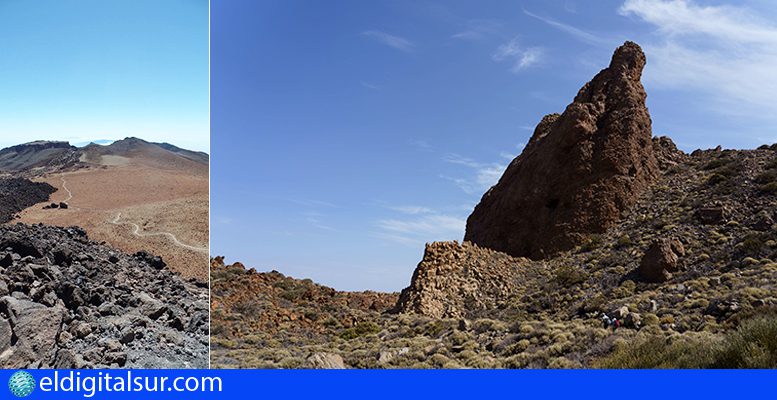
[
  {"x": 621, "y": 312},
  {"x": 711, "y": 215},
  {"x": 661, "y": 260},
  {"x": 633, "y": 320},
  {"x": 325, "y": 361}
]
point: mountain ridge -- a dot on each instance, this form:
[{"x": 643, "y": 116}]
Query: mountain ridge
[{"x": 42, "y": 157}]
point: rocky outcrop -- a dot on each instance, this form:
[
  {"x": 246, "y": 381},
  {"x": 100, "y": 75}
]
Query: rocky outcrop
[
  {"x": 457, "y": 280},
  {"x": 67, "y": 302},
  {"x": 16, "y": 194},
  {"x": 580, "y": 171},
  {"x": 661, "y": 260},
  {"x": 666, "y": 152}
]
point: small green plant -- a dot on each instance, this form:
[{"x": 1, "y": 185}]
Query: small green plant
[
  {"x": 752, "y": 243},
  {"x": 568, "y": 275},
  {"x": 592, "y": 243},
  {"x": 361, "y": 329},
  {"x": 488, "y": 325},
  {"x": 766, "y": 177},
  {"x": 623, "y": 241},
  {"x": 658, "y": 352},
  {"x": 752, "y": 345},
  {"x": 716, "y": 163},
  {"x": 715, "y": 179},
  {"x": 769, "y": 188}
]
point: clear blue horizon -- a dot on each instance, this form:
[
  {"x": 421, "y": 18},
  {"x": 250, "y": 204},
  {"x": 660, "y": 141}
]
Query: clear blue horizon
[
  {"x": 89, "y": 70},
  {"x": 347, "y": 135}
]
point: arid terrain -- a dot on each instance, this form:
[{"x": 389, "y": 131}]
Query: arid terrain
[
  {"x": 103, "y": 256},
  {"x": 595, "y": 221},
  {"x": 135, "y": 196}
]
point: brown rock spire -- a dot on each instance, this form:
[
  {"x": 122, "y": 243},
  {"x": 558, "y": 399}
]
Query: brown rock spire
[{"x": 579, "y": 172}]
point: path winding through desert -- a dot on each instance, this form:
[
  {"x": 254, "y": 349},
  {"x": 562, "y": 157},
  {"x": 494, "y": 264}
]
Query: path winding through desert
[
  {"x": 136, "y": 228},
  {"x": 69, "y": 193},
  {"x": 136, "y": 232}
]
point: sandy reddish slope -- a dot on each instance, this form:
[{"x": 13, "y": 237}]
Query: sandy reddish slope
[{"x": 162, "y": 209}]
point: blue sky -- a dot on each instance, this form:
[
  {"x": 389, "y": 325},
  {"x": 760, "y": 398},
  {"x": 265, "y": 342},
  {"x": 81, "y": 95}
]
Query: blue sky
[
  {"x": 347, "y": 134},
  {"x": 81, "y": 70}
]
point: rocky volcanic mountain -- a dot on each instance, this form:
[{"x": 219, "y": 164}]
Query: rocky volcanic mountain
[
  {"x": 67, "y": 302},
  {"x": 45, "y": 157},
  {"x": 163, "y": 155},
  {"x": 595, "y": 218}
]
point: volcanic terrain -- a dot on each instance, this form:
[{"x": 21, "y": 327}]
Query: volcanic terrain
[
  {"x": 132, "y": 194},
  {"x": 134, "y": 295},
  {"x": 596, "y": 219}
]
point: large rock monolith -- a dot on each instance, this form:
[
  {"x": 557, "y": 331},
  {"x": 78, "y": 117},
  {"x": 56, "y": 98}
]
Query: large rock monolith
[{"x": 580, "y": 171}]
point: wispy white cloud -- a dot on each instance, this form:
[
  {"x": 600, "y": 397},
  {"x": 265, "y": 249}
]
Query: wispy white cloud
[
  {"x": 520, "y": 57},
  {"x": 412, "y": 210},
  {"x": 396, "y": 42},
  {"x": 315, "y": 219},
  {"x": 369, "y": 85},
  {"x": 531, "y": 56},
  {"x": 727, "y": 52},
  {"x": 454, "y": 158},
  {"x": 732, "y": 24},
  {"x": 509, "y": 155},
  {"x": 421, "y": 228},
  {"x": 478, "y": 29},
  {"x": 577, "y": 33},
  {"x": 468, "y": 35},
  {"x": 481, "y": 177},
  {"x": 421, "y": 144}
]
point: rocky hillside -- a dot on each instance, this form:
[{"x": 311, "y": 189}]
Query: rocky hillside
[
  {"x": 139, "y": 151},
  {"x": 67, "y": 302},
  {"x": 266, "y": 309},
  {"x": 16, "y": 194},
  {"x": 680, "y": 248},
  {"x": 38, "y": 157}
]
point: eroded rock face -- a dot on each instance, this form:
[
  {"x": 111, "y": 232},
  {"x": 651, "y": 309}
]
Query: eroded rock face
[
  {"x": 579, "y": 172},
  {"x": 661, "y": 259},
  {"x": 455, "y": 280}
]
